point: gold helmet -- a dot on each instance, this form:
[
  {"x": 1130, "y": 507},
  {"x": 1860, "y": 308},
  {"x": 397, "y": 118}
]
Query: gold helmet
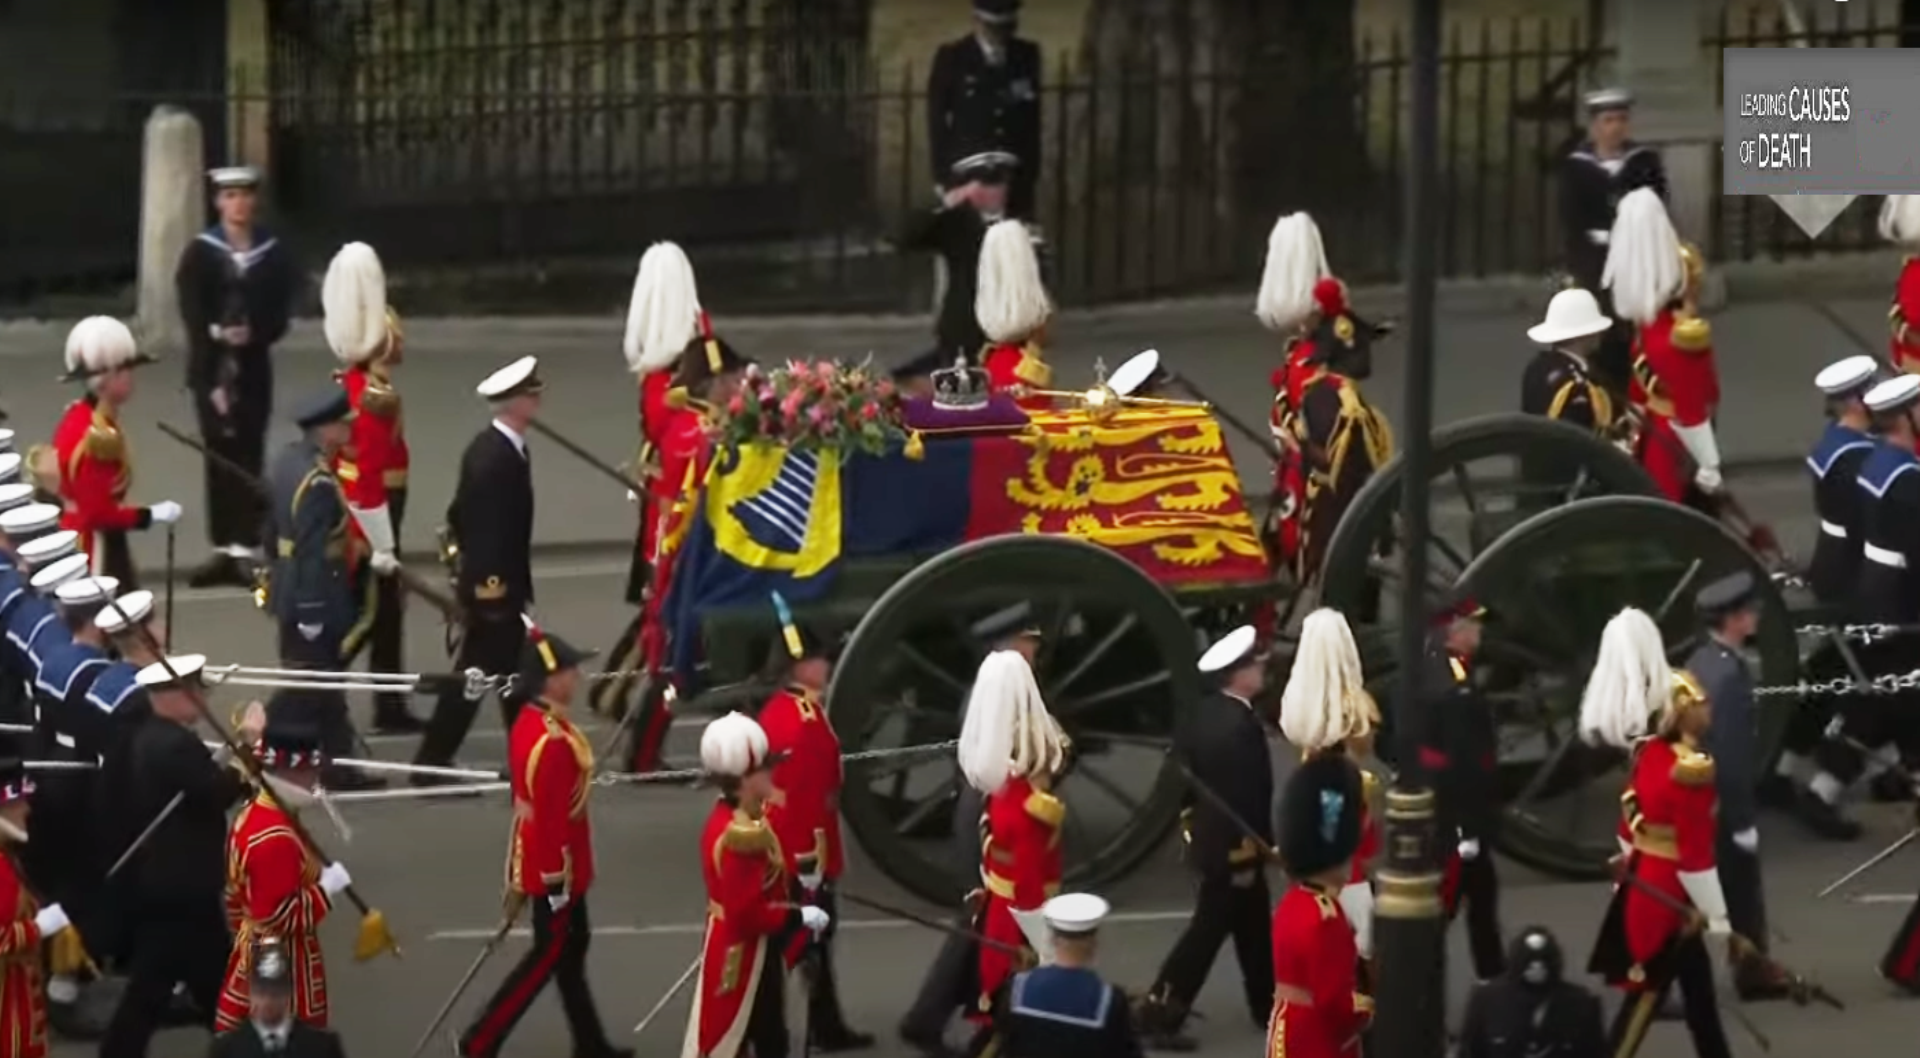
[
  {"x": 396, "y": 337},
  {"x": 1686, "y": 693},
  {"x": 1695, "y": 265}
]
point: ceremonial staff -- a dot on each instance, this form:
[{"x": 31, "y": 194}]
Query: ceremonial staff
[{"x": 584, "y": 456}]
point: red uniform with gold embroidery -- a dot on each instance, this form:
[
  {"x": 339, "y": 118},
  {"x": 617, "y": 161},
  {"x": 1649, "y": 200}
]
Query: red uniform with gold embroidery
[
  {"x": 748, "y": 909},
  {"x": 273, "y": 888},
  {"x": 805, "y": 809},
  {"x": 1903, "y": 342},
  {"x": 1009, "y": 366},
  {"x": 1674, "y": 383},
  {"x": 94, "y": 476},
  {"x": 375, "y": 460},
  {"x": 1667, "y": 816},
  {"x": 1020, "y": 870},
  {"x": 551, "y": 763},
  {"x": 1289, "y": 383},
  {"x": 656, "y": 423},
  {"x": 1318, "y": 1010},
  {"x": 684, "y": 451},
  {"x": 23, "y": 1001}
]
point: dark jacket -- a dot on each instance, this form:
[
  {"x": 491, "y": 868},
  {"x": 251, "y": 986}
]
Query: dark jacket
[
  {"x": 1064, "y": 1012},
  {"x": 1589, "y": 196},
  {"x": 303, "y": 1041},
  {"x": 1734, "y": 738},
  {"x": 492, "y": 518},
  {"x": 1508, "y": 1019},
  {"x": 219, "y": 288},
  {"x": 185, "y": 861},
  {"x": 1459, "y": 748},
  {"x": 1835, "y": 462},
  {"x": 971, "y": 101},
  {"x": 955, "y": 234},
  {"x": 1224, "y": 745},
  {"x": 309, "y": 518}
]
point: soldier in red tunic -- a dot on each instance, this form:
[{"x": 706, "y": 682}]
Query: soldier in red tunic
[
  {"x": 1320, "y": 1009},
  {"x": 1675, "y": 388},
  {"x": 1013, "y": 308},
  {"x": 23, "y": 1001},
  {"x": 1327, "y": 712},
  {"x": 1650, "y": 938},
  {"x": 663, "y": 320},
  {"x": 95, "y": 466},
  {"x": 276, "y": 886},
  {"x": 550, "y": 860},
  {"x": 752, "y": 914},
  {"x": 372, "y": 467},
  {"x": 1900, "y": 224},
  {"x": 1296, "y": 262}
]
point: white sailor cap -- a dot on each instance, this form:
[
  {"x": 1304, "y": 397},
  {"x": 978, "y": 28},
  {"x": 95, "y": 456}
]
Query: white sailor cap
[
  {"x": 9, "y": 466},
  {"x": 14, "y": 495},
  {"x": 6, "y": 439},
  {"x": 234, "y": 176},
  {"x": 1602, "y": 100},
  {"x": 134, "y": 607},
  {"x": 1843, "y": 376},
  {"x": 1075, "y": 914},
  {"x": 55, "y": 575},
  {"x": 52, "y": 547},
  {"x": 28, "y": 519},
  {"x": 177, "y": 669},
  {"x": 86, "y": 591},
  {"x": 521, "y": 376},
  {"x": 1895, "y": 393},
  {"x": 1227, "y": 653}
]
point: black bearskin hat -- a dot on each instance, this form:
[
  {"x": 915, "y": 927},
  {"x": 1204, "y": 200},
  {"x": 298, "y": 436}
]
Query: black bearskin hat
[{"x": 1320, "y": 815}]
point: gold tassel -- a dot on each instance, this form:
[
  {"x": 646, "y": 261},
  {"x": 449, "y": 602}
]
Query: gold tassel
[
  {"x": 794, "y": 646},
  {"x": 713, "y": 355},
  {"x": 67, "y": 954},
  {"x": 374, "y": 939},
  {"x": 916, "y": 448}
]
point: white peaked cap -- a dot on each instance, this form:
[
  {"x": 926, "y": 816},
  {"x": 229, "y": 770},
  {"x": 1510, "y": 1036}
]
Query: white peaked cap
[
  {"x": 1229, "y": 650},
  {"x": 1326, "y": 700},
  {"x": 1630, "y": 681},
  {"x": 178, "y": 668},
  {"x": 733, "y": 745},
  {"x": 1843, "y": 375},
  {"x": 1296, "y": 260},
  {"x": 1644, "y": 270},
  {"x": 664, "y": 316},
  {"x": 509, "y": 379},
  {"x": 134, "y": 606},
  {"x": 6, "y": 439},
  {"x": 1900, "y": 219},
  {"x": 353, "y": 298},
  {"x": 9, "y": 466},
  {"x": 99, "y": 343},
  {"x": 86, "y": 591},
  {"x": 31, "y": 518},
  {"x": 1010, "y": 301},
  {"x": 44, "y": 549},
  {"x": 1007, "y": 731},
  {"x": 1893, "y": 394},
  {"x": 60, "y": 573},
  {"x": 13, "y": 496},
  {"x": 1075, "y": 913}
]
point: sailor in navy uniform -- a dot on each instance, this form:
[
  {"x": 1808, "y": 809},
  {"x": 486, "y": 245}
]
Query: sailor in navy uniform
[
  {"x": 121, "y": 705},
  {"x": 974, "y": 199},
  {"x": 34, "y": 538},
  {"x": 1064, "y": 1009},
  {"x": 32, "y": 623},
  {"x": 271, "y": 1030},
  {"x": 1835, "y": 463},
  {"x": 1594, "y": 177},
  {"x": 237, "y": 282},
  {"x": 984, "y": 93}
]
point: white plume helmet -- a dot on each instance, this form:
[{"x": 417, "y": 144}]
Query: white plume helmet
[
  {"x": 664, "y": 316},
  {"x": 1630, "y": 681},
  {"x": 1008, "y": 732},
  {"x": 1326, "y": 700},
  {"x": 98, "y": 344},
  {"x": 1010, "y": 301},
  {"x": 353, "y": 298},
  {"x": 1644, "y": 269},
  {"x": 1296, "y": 260},
  {"x": 1900, "y": 219},
  {"x": 733, "y": 745}
]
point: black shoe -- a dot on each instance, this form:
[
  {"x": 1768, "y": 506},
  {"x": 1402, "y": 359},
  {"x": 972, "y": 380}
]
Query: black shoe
[
  {"x": 71, "y": 1021},
  {"x": 347, "y": 780},
  {"x": 842, "y": 1041},
  {"x": 1777, "y": 791},
  {"x": 220, "y": 571},
  {"x": 397, "y": 722},
  {"x": 1825, "y": 820},
  {"x": 1759, "y": 981}
]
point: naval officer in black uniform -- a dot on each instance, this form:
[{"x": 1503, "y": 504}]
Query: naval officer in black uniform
[
  {"x": 491, "y": 517},
  {"x": 1558, "y": 384},
  {"x": 1064, "y": 1009},
  {"x": 984, "y": 94},
  {"x": 1223, "y": 746},
  {"x": 1459, "y": 751},
  {"x": 237, "y": 282},
  {"x": 1594, "y": 177},
  {"x": 975, "y": 199}
]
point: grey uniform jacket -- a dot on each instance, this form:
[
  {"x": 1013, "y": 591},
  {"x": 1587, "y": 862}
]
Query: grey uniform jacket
[
  {"x": 310, "y": 582},
  {"x": 1734, "y": 738}
]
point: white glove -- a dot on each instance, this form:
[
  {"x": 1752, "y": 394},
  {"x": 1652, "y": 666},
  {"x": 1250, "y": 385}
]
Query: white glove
[
  {"x": 1708, "y": 480},
  {"x": 334, "y": 879},
  {"x": 310, "y": 632},
  {"x": 1748, "y": 839},
  {"x": 1356, "y": 899},
  {"x": 1599, "y": 236},
  {"x": 810, "y": 880},
  {"x": 51, "y": 920},
  {"x": 632, "y": 496},
  {"x": 1470, "y": 849},
  {"x": 557, "y": 902},
  {"x": 814, "y": 919},
  {"x": 377, "y": 526},
  {"x": 1699, "y": 442},
  {"x": 166, "y": 512},
  {"x": 385, "y": 563},
  {"x": 1703, "y": 890}
]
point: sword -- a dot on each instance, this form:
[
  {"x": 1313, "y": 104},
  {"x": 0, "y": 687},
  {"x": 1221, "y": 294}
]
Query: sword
[
  {"x": 685, "y": 976},
  {"x": 937, "y": 926},
  {"x": 1800, "y": 988},
  {"x": 1876, "y": 860},
  {"x": 146, "y": 834},
  {"x": 1219, "y": 803},
  {"x": 1264, "y": 440},
  {"x": 466, "y": 982},
  {"x": 586, "y": 457}
]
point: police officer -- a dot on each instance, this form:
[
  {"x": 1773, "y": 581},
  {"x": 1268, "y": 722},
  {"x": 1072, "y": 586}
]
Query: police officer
[
  {"x": 974, "y": 200},
  {"x": 984, "y": 92},
  {"x": 1594, "y": 176},
  {"x": 1835, "y": 463},
  {"x": 1223, "y": 746},
  {"x": 271, "y": 1030},
  {"x": 1064, "y": 1009},
  {"x": 1531, "y": 1011},
  {"x": 1460, "y": 749}
]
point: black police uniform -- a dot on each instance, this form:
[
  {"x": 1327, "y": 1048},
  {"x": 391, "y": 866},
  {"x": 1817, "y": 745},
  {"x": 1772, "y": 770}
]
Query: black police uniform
[
  {"x": 975, "y": 98},
  {"x": 291, "y": 1038},
  {"x": 223, "y": 286},
  {"x": 1531, "y": 1011},
  {"x": 1064, "y": 1012},
  {"x": 1460, "y": 749},
  {"x": 1590, "y": 192}
]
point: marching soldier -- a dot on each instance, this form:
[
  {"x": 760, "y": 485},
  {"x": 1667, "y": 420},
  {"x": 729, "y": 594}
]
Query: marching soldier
[
  {"x": 551, "y": 864},
  {"x": 663, "y": 320},
  {"x": 973, "y": 200},
  {"x": 491, "y": 517},
  {"x": 1321, "y": 1007},
  {"x": 276, "y": 886},
  {"x": 1223, "y": 746},
  {"x": 1532, "y": 1011},
  {"x": 1013, "y": 308},
  {"x": 1064, "y": 1009},
  {"x": 23, "y": 1011},
  {"x": 1650, "y": 939},
  {"x": 740, "y": 1005},
  {"x": 1599, "y": 172},
  {"x": 1675, "y": 387},
  {"x": 371, "y": 467},
  {"x": 1459, "y": 750},
  {"x": 984, "y": 89},
  {"x": 1296, "y": 263},
  {"x": 1900, "y": 225},
  {"x": 271, "y": 1029},
  {"x": 95, "y": 469},
  {"x": 237, "y": 283}
]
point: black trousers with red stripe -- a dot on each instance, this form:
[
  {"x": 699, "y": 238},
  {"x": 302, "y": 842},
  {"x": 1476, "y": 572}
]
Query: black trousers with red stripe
[
  {"x": 558, "y": 954},
  {"x": 1902, "y": 962}
]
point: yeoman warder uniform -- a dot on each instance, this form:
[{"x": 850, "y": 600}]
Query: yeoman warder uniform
[
  {"x": 1460, "y": 750},
  {"x": 24, "y": 926},
  {"x": 1532, "y": 1011},
  {"x": 96, "y": 465},
  {"x": 1064, "y": 1009},
  {"x": 984, "y": 88},
  {"x": 1319, "y": 1007}
]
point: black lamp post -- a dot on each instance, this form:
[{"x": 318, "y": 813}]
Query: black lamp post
[{"x": 1409, "y": 929}]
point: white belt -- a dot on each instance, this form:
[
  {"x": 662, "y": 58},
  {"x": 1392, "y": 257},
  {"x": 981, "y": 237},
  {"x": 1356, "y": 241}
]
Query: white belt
[
  {"x": 1884, "y": 557},
  {"x": 1833, "y": 530},
  {"x": 65, "y": 740}
]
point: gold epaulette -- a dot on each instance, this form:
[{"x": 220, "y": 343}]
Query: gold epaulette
[
  {"x": 1692, "y": 335},
  {"x": 747, "y": 836},
  {"x": 1329, "y": 907},
  {"x": 379, "y": 399},
  {"x": 104, "y": 443},
  {"x": 1368, "y": 784},
  {"x": 1692, "y": 767},
  {"x": 1459, "y": 670},
  {"x": 1046, "y": 808},
  {"x": 1362, "y": 1003}
]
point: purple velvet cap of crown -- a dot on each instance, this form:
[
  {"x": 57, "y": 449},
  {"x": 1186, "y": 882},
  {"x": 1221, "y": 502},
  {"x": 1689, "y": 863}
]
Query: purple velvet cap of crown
[{"x": 1000, "y": 412}]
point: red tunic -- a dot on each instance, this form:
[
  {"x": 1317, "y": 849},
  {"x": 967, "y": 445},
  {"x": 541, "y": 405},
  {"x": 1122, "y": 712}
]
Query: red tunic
[
  {"x": 804, "y": 811},
  {"x": 1318, "y": 1010},
  {"x": 375, "y": 459},
  {"x": 1009, "y": 366},
  {"x": 1674, "y": 382},
  {"x": 1667, "y": 814},
  {"x": 23, "y": 1001},
  {"x": 552, "y": 768},
  {"x": 273, "y": 888},
  {"x": 1289, "y": 383},
  {"x": 1903, "y": 345},
  {"x": 1020, "y": 870},
  {"x": 748, "y": 906},
  {"x": 95, "y": 473},
  {"x": 656, "y": 418},
  {"x": 684, "y": 456}
]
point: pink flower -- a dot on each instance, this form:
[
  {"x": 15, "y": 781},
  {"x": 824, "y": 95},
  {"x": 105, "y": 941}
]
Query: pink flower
[
  {"x": 870, "y": 412},
  {"x": 791, "y": 404},
  {"x": 818, "y": 414},
  {"x": 737, "y": 405},
  {"x": 824, "y": 369}
]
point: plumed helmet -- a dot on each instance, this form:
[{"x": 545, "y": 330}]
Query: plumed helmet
[
  {"x": 1296, "y": 260},
  {"x": 1007, "y": 732},
  {"x": 1010, "y": 301},
  {"x": 1325, "y": 701},
  {"x": 1320, "y": 815},
  {"x": 1630, "y": 681},
  {"x": 664, "y": 316},
  {"x": 733, "y": 746},
  {"x": 353, "y": 298},
  {"x": 1645, "y": 269},
  {"x": 1900, "y": 219},
  {"x": 99, "y": 344}
]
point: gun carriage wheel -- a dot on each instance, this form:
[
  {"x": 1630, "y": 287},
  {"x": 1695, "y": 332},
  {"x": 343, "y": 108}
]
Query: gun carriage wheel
[
  {"x": 1116, "y": 659},
  {"x": 1550, "y": 585}
]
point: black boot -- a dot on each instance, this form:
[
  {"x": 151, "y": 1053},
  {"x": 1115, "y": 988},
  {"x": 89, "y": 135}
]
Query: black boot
[
  {"x": 1757, "y": 979},
  {"x": 1159, "y": 1021}
]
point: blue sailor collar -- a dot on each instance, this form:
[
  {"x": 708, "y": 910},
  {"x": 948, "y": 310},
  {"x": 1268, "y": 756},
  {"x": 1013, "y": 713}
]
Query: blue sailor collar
[
  {"x": 36, "y": 632},
  {"x": 1835, "y": 441},
  {"x": 64, "y": 664},
  {"x": 114, "y": 686},
  {"x": 263, "y": 241},
  {"x": 1585, "y": 152},
  {"x": 1885, "y": 465},
  {"x": 27, "y": 615},
  {"x": 1068, "y": 995}
]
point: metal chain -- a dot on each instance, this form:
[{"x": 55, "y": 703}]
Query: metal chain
[
  {"x": 1892, "y": 683},
  {"x": 1863, "y": 634},
  {"x": 677, "y": 775}
]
